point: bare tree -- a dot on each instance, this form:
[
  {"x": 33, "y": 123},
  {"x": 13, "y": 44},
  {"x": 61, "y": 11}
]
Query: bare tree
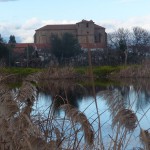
[
  {"x": 120, "y": 40},
  {"x": 140, "y": 40}
]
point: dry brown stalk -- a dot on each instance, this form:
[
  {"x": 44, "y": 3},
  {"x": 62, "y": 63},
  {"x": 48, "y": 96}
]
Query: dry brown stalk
[
  {"x": 145, "y": 138},
  {"x": 27, "y": 91},
  {"x": 78, "y": 117},
  {"x": 58, "y": 73},
  {"x": 126, "y": 118}
]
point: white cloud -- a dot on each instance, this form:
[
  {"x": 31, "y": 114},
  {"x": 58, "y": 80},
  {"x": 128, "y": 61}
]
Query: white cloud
[
  {"x": 25, "y": 32},
  {"x": 112, "y": 25}
]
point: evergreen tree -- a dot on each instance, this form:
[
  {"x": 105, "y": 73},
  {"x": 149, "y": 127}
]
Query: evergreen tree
[
  {"x": 1, "y": 39},
  {"x": 12, "y": 39},
  {"x": 4, "y": 53},
  {"x": 65, "y": 46}
]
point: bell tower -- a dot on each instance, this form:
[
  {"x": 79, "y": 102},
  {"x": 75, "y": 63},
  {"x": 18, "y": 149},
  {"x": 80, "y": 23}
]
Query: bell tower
[{"x": 85, "y": 28}]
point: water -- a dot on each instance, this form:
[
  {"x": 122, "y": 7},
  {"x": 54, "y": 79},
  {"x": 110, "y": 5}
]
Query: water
[{"x": 111, "y": 98}]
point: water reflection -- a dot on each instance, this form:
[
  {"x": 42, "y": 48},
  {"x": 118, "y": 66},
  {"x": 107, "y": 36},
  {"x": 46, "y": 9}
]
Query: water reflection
[
  {"x": 63, "y": 91},
  {"x": 125, "y": 107}
]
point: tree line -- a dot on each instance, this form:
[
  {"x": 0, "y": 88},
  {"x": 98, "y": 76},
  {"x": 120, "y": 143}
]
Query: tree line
[
  {"x": 128, "y": 46},
  {"x": 5, "y": 49},
  {"x": 123, "y": 47}
]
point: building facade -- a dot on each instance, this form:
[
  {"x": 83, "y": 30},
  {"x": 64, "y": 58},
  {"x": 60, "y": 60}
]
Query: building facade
[{"x": 87, "y": 32}]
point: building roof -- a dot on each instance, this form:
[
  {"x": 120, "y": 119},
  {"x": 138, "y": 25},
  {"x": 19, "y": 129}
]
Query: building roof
[
  {"x": 66, "y": 26},
  {"x": 59, "y": 27},
  {"x": 97, "y": 27},
  {"x": 20, "y": 47}
]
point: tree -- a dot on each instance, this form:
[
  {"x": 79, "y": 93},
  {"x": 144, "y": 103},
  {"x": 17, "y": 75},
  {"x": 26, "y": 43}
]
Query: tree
[
  {"x": 65, "y": 46},
  {"x": 1, "y": 39},
  {"x": 119, "y": 41},
  {"x": 120, "y": 35},
  {"x": 56, "y": 47},
  {"x": 4, "y": 53},
  {"x": 141, "y": 39},
  {"x": 123, "y": 50},
  {"x": 12, "y": 39}
]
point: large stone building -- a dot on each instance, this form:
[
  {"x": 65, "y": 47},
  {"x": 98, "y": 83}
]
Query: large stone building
[{"x": 87, "y": 32}]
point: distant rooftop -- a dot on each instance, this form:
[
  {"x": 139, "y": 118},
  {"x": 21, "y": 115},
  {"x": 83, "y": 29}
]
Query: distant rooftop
[{"x": 65, "y": 26}]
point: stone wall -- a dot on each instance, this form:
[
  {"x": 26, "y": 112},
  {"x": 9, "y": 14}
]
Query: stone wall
[{"x": 85, "y": 31}]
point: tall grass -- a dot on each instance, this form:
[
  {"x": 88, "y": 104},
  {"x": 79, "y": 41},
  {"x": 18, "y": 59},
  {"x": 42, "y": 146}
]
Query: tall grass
[
  {"x": 21, "y": 127},
  {"x": 99, "y": 71},
  {"x": 135, "y": 71}
]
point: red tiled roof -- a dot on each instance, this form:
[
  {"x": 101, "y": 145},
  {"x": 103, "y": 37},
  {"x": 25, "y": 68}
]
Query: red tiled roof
[
  {"x": 20, "y": 47},
  {"x": 65, "y": 27},
  {"x": 58, "y": 27}
]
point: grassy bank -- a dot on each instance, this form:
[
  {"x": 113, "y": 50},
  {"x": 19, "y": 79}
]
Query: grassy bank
[
  {"x": 99, "y": 71},
  {"x": 22, "y": 72},
  {"x": 134, "y": 71},
  {"x": 66, "y": 72}
]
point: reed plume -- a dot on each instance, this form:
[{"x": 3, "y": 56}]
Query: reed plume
[
  {"x": 125, "y": 118},
  {"x": 78, "y": 117},
  {"x": 145, "y": 138}
]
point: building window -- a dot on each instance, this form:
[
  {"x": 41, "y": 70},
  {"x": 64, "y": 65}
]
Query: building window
[
  {"x": 98, "y": 37},
  {"x": 87, "y": 25}
]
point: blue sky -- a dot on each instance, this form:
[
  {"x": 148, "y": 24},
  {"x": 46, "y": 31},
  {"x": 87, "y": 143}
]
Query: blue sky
[{"x": 22, "y": 17}]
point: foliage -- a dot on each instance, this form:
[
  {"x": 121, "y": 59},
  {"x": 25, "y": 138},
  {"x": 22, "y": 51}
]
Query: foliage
[
  {"x": 56, "y": 48},
  {"x": 129, "y": 46},
  {"x": 28, "y": 52},
  {"x": 135, "y": 71},
  {"x": 64, "y": 47},
  {"x": 36, "y": 130},
  {"x": 23, "y": 72},
  {"x": 4, "y": 53},
  {"x": 122, "y": 45},
  {"x": 141, "y": 37},
  {"x": 101, "y": 71},
  {"x": 12, "y": 39},
  {"x": 26, "y": 126},
  {"x": 1, "y": 39}
]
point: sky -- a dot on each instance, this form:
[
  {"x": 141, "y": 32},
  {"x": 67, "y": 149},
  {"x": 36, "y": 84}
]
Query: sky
[{"x": 22, "y": 17}]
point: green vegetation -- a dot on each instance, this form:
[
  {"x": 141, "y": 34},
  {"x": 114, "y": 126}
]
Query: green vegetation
[
  {"x": 65, "y": 47},
  {"x": 23, "y": 72},
  {"x": 4, "y": 53},
  {"x": 100, "y": 71},
  {"x": 20, "y": 114},
  {"x": 133, "y": 71}
]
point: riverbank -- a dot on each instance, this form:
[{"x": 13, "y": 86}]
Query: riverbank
[
  {"x": 62, "y": 72},
  {"x": 99, "y": 72}
]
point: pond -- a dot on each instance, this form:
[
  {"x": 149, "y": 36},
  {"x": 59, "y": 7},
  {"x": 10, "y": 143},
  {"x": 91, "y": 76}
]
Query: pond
[{"x": 118, "y": 112}]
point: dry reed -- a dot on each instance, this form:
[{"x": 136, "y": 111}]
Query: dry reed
[{"x": 145, "y": 138}]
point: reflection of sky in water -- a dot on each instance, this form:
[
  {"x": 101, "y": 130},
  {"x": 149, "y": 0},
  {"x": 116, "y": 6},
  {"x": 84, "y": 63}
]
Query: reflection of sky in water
[
  {"x": 42, "y": 104},
  {"x": 134, "y": 101}
]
